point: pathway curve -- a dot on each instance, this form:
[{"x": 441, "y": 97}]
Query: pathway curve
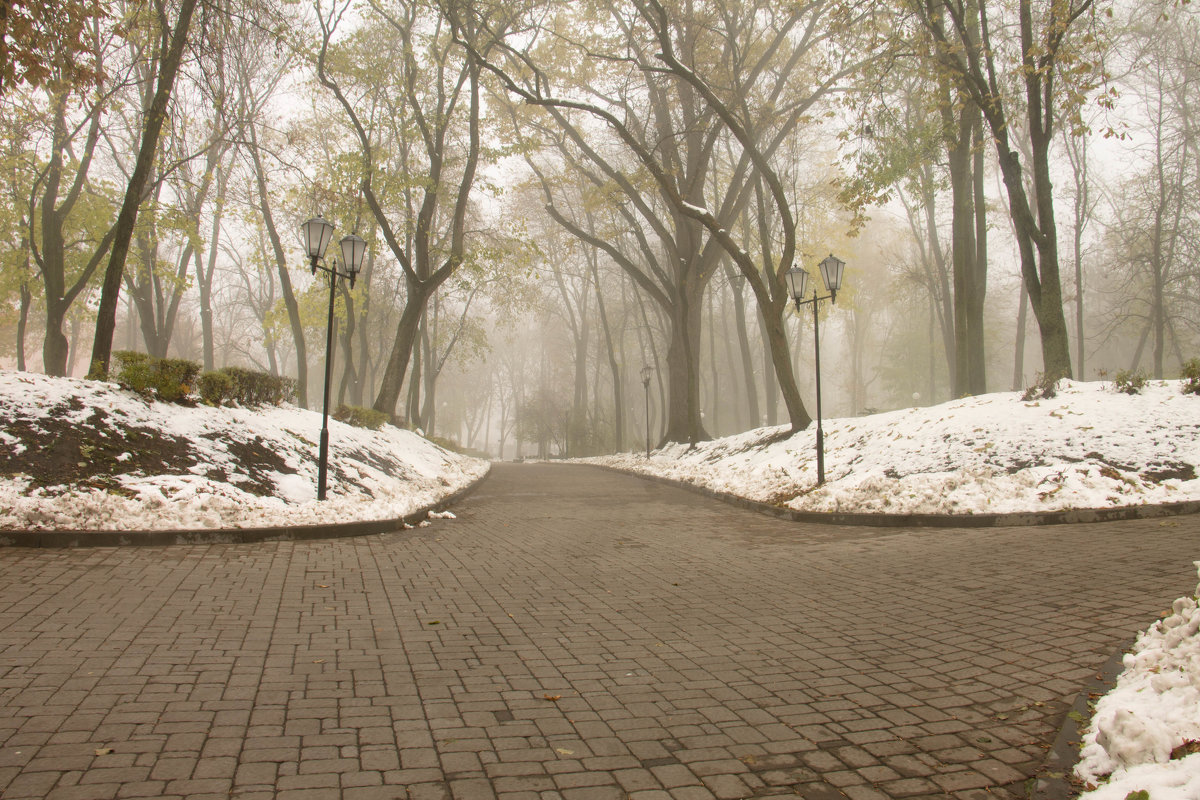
[{"x": 574, "y": 634}]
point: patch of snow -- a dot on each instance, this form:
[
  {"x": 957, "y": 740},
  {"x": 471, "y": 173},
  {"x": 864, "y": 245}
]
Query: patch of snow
[
  {"x": 1153, "y": 709},
  {"x": 1089, "y": 447},
  {"x": 382, "y": 474}
]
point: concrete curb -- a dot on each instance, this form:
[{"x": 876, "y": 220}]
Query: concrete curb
[
  {"x": 1019, "y": 519},
  {"x": 286, "y": 533},
  {"x": 1053, "y": 780}
]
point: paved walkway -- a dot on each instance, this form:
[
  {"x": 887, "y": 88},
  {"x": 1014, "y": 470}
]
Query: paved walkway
[{"x": 575, "y": 634}]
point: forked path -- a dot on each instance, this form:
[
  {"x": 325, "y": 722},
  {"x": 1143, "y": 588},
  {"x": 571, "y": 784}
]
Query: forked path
[{"x": 573, "y": 634}]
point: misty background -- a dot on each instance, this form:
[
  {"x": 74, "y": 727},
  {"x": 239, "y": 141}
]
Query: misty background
[{"x": 558, "y": 195}]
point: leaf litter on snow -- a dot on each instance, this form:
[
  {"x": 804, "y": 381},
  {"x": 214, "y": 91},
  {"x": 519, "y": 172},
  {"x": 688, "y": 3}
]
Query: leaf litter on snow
[
  {"x": 1087, "y": 447},
  {"x": 86, "y": 455}
]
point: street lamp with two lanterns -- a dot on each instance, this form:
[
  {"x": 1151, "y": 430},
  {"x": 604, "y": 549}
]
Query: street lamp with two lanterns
[
  {"x": 647, "y": 372},
  {"x": 797, "y": 279},
  {"x": 317, "y": 234}
]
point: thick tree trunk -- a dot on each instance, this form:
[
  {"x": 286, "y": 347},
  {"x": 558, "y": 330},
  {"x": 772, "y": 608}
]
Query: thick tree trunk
[
  {"x": 406, "y": 336},
  {"x": 969, "y": 253},
  {"x": 53, "y": 264},
  {"x": 1039, "y": 265},
  {"x": 52, "y": 212},
  {"x": 770, "y": 383},
  {"x": 773, "y": 324},
  {"x": 54, "y": 344},
  {"x": 683, "y": 371},
  {"x": 106, "y": 318}
]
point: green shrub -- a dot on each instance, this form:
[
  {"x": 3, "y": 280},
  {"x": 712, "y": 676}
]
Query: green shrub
[
  {"x": 1044, "y": 388},
  {"x": 361, "y": 417},
  {"x": 216, "y": 388},
  {"x": 175, "y": 378},
  {"x": 134, "y": 371},
  {"x": 254, "y": 388},
  {"x": 1190, "y": 373},
  {"x": 169, "y": 379},
  {"x": 1129, "y": 381}
]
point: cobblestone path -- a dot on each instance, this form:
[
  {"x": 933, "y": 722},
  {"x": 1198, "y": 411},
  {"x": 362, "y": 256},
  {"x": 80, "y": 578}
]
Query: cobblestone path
[{"x": 574, "y": 634}]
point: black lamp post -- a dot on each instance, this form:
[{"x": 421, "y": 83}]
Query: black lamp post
[
  {"x": 797, "y": 278},
  {"x": 317, "y": 233},
  {"x": 646, "y": 373}
]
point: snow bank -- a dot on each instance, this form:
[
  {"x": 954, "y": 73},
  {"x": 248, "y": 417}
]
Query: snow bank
[
  {"x": 1152, "y": 714},
  {"x": 223, "y": 468},
  {"x": 1088, "y": 447}
]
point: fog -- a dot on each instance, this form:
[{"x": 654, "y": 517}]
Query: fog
[{"x": 579, "y": 220}]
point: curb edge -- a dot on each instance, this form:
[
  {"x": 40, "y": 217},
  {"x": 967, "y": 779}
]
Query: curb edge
[
  {"x": 282, "y": 533},
  {"x": 1013, "y": 519}
]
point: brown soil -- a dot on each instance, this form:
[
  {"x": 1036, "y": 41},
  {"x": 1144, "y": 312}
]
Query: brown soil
[{"x": 56, "y": 451}]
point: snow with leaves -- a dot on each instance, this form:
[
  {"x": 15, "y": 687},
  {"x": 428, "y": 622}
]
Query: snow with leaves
[
  {"x": 1087, "y": 447},
  {"x": 206, "y": 480}
]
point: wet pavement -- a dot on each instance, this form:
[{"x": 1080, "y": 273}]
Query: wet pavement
[{"x": 574, "y": 634}]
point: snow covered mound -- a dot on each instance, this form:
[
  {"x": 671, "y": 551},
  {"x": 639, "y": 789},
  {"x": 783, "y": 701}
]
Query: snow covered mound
[
  {"x": 1088, "y": 447},
  {"x": 83, "y": 455},
  {"x": 1145, "y": 733}
]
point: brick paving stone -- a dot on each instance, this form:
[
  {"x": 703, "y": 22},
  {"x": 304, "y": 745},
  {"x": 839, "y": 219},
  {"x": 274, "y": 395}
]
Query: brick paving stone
[
  {"x": 697, "y": 650},
  {"x": 727, "y": 787}
]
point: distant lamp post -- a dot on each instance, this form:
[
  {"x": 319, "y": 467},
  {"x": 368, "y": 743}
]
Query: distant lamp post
[
  {"x": 317, "y": 234},
  {"x": 797, "y": 279},
  {"x": 646, "y": 373}
]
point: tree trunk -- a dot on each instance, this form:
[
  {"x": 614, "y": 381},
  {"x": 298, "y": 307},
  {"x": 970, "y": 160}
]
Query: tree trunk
[
  {"x": 977, "y": 286},
  {"x": 204, "y": 276},
  {"x": 429, "y": 336},
  {"x": 1019, "y": 355},
  {"x": 52, "y": 212},
  {"x": 715, "y": 395},
  {"x": 406, "y": 336},
  {"x": 412, "y": 406},
  {"x": 350, "y": 379},
  {"x": 22, "y": 322},
  {"x": 770, "y": 384},
  {"x": 613, "y": 366},
  {"x": 285, "y": 280},
  {"x": 962, "y": 246},
  {"x": 683, "y": 370},
  {"x": 743, "y": 336},
  {"x": 781, "y": 360},
  {"x": 969, "y": 251},
  {"x": 55, "y": 346},
  {"x": 1077, "y": 152},
  {"x": 106, "y": 318}
]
